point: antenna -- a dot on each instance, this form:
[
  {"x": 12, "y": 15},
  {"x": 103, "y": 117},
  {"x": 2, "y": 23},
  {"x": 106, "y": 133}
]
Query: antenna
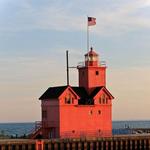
[{"x": 67, "y": 65}]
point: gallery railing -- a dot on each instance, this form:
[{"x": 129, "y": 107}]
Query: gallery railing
[{"x": 82, "y": 64}]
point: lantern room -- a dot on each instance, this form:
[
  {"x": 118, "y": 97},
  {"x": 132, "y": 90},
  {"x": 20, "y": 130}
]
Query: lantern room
[{"x": 91, "y": 58}]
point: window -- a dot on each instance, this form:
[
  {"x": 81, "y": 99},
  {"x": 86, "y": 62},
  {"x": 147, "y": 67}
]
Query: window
[
  {"x": 99, "y": 112},
  {"x": 44, "y": 114},
  {"x": 90, "y": 58},
  {"x": 72, "y": 100},
  {"x": 106, "y": 100},
  {"x": 52, "y": 133},
  {"x": 97, "y": 73},
  {"x": 103, "y": 99},
  {"x": 67, "y": 100},
  {"x": 90, "y": 112},
  {"x": 94, "y": 58},
  {"x": 100, "y": 100},
  {"x": 73, "y": 131}
]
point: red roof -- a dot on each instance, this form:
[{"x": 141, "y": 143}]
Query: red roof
[{"x": 91, "y": 52}]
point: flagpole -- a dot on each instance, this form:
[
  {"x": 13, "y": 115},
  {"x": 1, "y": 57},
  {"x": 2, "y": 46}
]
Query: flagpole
[
  {"x": 87, "y": 35},
  {"x": 90, "y": 22}
]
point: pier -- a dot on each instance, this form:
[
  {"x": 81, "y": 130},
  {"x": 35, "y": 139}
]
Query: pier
[
  {"x": 140, "y": 130},
  {"x": 123, "y": 142}
]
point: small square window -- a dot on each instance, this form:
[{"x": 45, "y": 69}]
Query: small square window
[
  {"x": 97, "y": 72},
  {"x": 90, "y": 112},
  {"x": 73, "y": 131},
  {"x": 99, "y": 112}
]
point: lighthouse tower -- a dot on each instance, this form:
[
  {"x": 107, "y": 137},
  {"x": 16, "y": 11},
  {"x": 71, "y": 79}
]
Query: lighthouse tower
[{"x": 92, "y": 74}]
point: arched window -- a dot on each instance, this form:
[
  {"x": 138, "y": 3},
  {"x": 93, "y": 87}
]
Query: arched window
[
  {"x": 106, "y": 100},
  {"x": 72, "y": 100},
  {"x": 103, "y": 98},
  {"x": 100, "y": 100},
  {"x": 69, "y": 99}
]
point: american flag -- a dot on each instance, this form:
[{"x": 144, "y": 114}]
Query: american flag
[{"x": 91, "y": 21}]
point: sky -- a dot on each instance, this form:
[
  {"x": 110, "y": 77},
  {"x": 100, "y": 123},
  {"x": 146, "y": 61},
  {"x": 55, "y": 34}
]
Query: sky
[{"x": 34, "y": 35}]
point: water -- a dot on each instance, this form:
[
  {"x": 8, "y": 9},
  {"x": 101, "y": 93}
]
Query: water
[
  {"x": 20, "y": 129},
  {"x": 131, "y": 124},
  {"x": 16, "y": 129},
  {"x": 124, "y": 127}
]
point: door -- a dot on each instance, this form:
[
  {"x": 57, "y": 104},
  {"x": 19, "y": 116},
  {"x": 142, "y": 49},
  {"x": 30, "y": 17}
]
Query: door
[{"x": 52, "y": 133}]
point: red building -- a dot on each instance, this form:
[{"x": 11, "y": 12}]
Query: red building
[{"x": 83, "y": 111}]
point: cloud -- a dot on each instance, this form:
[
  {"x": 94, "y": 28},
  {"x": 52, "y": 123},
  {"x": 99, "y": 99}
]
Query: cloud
[
  {"x": 145, "y": 3},
  {"x": 123, "y": 19},
  {"x": 113, "y": 18},
  {"x": 32, "y": 75}
]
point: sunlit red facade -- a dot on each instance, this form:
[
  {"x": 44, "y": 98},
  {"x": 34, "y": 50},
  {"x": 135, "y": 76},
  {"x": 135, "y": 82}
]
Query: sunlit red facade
[{"x": 83, "y": 111}]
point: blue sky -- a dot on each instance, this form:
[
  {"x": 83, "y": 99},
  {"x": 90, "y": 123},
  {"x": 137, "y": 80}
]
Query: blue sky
[{"x": 34, "y": 35}]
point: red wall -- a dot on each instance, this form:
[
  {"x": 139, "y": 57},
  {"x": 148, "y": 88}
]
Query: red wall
[
  {"x": 80, "y": 120},
  {"x": 89, "y": 79},
  {"x": 52, "y": 120},
  {"x": 73, "y": 120}
]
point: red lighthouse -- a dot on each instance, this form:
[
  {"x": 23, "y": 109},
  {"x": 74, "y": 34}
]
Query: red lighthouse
[
  {"x": 83, "y": 111},
  {"x": 92, "y": 74}
]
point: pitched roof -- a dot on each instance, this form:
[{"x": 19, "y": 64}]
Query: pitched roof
[
  {"x": 53, "y": 92},
  {"x": 81, "y": 92},
  {"x": 95, "y": 91}
]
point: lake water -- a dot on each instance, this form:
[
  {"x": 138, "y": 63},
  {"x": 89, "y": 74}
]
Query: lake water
[{"x": 19, "y": 129}]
